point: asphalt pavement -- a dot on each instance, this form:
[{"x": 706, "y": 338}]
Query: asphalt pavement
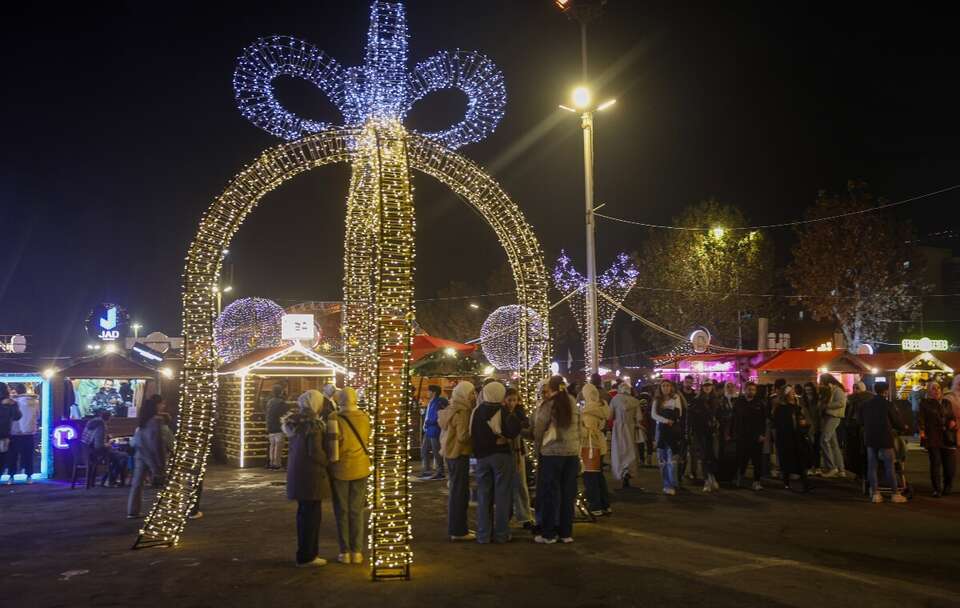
[{"x": 63, "y": 547}]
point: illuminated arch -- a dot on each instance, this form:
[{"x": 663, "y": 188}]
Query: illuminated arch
[{"x": 219, "y": 225}]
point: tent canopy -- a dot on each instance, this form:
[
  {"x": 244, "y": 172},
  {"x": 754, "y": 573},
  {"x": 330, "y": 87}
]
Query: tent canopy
[
  {"x": 425, "y": 345},
  {"x": 803, "y": 360}
]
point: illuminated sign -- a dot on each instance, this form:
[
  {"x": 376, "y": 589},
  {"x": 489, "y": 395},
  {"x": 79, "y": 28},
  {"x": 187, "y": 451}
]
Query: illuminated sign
[
  {"x": 62, "y": 436},
  {"x": 297, "y": 327},
  {"x": 924, "y": 344},
  {"x": 107, "y": 322}
]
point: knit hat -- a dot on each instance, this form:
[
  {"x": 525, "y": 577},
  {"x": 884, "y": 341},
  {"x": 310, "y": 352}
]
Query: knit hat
[{"x": 494, "y": 392}]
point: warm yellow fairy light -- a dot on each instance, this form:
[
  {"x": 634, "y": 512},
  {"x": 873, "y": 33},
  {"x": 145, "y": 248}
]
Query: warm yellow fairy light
[{"x": 378, "y": 290}]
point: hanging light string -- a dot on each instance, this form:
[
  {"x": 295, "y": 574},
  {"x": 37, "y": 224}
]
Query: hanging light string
[{"x": 783, "y": 224}]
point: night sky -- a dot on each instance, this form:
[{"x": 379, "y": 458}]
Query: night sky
[{"x": 120, "y": 128}]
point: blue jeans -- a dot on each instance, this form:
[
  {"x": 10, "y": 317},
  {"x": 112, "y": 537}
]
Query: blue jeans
[
  {"x": 521, "y": 494},
  {"x": 595, "y": 487},
  {"x": 430, "y": 453},
  {"x": 349, "y": 498},
  {"x": 458, "y": 499},
  {"x": 495, "y": 475},
  {"x": 558, "y": 485},
  {"x": 668, "y": 468},
  {"x": 830, "y": 445},
  {"x": 884, "y": 455}
]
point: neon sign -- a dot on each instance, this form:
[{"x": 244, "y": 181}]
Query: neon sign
[
  {"x": 62, "y": 436},
  {"x": 924, "y": 344}
]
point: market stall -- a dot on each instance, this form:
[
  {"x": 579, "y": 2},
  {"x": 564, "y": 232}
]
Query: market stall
[
  {"x": 737, "y": 366},
  {"x": 905, "y": 370},
  {"x": 798, "y": 366},
  {"x": 33, "y": 385},
  {"x": 246, "y": 384}
]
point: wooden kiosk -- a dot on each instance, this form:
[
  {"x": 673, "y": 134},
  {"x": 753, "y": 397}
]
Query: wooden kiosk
[{"x": 247, "y": 383}]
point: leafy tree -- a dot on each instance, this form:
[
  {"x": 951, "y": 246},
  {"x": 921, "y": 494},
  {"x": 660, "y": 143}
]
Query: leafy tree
[
  {"x": 858, "y": 270},
  {"x": 691, "y": 278}
]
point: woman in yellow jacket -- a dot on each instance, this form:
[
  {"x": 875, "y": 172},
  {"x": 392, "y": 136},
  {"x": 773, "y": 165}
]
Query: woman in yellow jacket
[{"x": 348, "y": 473}]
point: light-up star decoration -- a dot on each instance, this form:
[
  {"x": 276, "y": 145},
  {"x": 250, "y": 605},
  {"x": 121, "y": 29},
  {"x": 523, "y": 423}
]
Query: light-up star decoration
[
  {"x": 381, "y": 88},
  {"x": 616, "y": 282}
]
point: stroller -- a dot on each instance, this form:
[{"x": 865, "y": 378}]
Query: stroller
[{"x": 899, "y": 465}]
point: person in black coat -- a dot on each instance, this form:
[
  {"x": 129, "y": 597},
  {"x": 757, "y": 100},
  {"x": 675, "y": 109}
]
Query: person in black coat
[
  {"x": 704, "y": 417},
  {"x": 307, "y": 479},
  {"x": 790, "y": 429},
  {"x": 879, "y": 420},
  {"x": 749, "y": 428},
  {"x": 938, "y": 434}
]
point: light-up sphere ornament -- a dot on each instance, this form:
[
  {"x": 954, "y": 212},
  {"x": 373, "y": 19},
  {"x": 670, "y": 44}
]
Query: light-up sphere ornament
[
  {"x": 500, "y": 337},
  {"x": 246, "y": 325},
  {"x": 378, "y": 246}
]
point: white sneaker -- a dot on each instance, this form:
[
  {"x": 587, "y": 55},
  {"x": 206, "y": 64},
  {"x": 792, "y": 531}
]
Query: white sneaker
[
  {"x": 467, "y": 536},
  {"x": 344, "y": 558},
  {"x": 315, "y": 563},
  {"x": 597, "y": 513},
  {"x": 831, "y": 474},
  {"x": 715, "y": 484},
  {"x": 898, "y": 498},
  {"x": 842, "y": 474},
  {"x": 707, "y": 488},
  {"x": 757, "y": 486},
  {"x": 356, "y": 558},
  {"x": 567, "y": 540},
  {"x": 670, "y": 491},
  {"x": 544, "y": 541},
  {"x": 877, "y": 498}
]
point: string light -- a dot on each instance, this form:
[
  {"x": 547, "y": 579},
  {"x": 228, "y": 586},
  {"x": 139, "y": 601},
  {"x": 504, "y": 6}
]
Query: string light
[
  {"x": 500, "y": 337},
  {"x": 246, "y": 325},
  {"x": 378, "y": 249},
  {"x": 615, "y": 283}
]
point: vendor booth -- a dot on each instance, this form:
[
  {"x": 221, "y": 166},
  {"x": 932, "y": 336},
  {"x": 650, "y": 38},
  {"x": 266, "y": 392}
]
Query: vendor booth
[
  {"x": 799, "y": 366},
  {"x": 905, "y": 370},
  {"x": 246, "y": 384},
  {"x": 737, "y": 367},
  {"x": 35, "y": 387},
  {"x": 108, "y": 382}
]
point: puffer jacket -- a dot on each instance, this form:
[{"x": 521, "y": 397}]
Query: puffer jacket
[
  {"x": 593, "y": 420},
  {"x": 307, "y": 477},
  {"x": 454, "y": 421}
]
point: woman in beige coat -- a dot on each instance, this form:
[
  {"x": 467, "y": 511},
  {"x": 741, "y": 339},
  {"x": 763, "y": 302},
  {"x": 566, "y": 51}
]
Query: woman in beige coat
[
  {"x": 593, "y": 445},
  {"x": 455, "y": 446}
]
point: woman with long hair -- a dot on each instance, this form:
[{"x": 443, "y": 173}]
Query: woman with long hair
[
  {"x": 556, "y": 434},
  {"x": 152, "y": 442},
  {"x": 667, "y": 411},
  {"x": 810, "y": 404}
]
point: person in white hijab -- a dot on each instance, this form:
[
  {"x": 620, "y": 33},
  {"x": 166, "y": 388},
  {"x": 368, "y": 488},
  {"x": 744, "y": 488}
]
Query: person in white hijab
[
  {"x": 623, "y": 457},
  {"x": 593, "y": 445}
]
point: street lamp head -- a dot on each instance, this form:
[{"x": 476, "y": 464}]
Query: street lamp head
[
  {"x": 228, "y": 289},
  {"x": 474, "y": 306},
  {"x": 581, "y": 98}
]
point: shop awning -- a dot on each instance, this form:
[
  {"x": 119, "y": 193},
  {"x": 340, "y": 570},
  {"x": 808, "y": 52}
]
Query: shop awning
[
  {"x": 108, "y": 366},
  {"x": 425, "y": 345},
  {"x": 805, "y": 360}
]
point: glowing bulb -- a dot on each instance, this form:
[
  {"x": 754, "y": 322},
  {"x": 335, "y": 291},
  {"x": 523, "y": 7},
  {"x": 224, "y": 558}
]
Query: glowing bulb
[
  {"x": 581, "y": 98},
  {"x": 488, "y": 370},
  {"x": 718, "y": 232},
  {"x": 49, "y": 373},
  {"x": 450, "y": 351},
  {"x": 167, "y": 372}
]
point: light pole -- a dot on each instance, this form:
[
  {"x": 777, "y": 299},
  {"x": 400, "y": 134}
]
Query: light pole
[
  {"x": 136, "y": 327},
  {"x": 583, "y": 103},
  {"x": 219, "y": 293}
]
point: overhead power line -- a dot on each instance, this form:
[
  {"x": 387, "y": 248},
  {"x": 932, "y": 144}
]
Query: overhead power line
[{"x": 783, "y": 224}]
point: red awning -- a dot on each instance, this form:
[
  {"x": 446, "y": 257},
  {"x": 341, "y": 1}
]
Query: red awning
[
  {"x": 802, "y": 360},
  {"x": 426, "y": 345}
]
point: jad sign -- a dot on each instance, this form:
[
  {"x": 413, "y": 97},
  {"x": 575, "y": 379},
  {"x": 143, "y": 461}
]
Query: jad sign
[
  {"x": 107, "y": 322},
  {"x": 924, "y": 344},
  {"x": 297, "y": 327}
]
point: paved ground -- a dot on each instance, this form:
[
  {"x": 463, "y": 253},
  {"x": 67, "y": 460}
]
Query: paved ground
[{"x": 62, "y": 547}]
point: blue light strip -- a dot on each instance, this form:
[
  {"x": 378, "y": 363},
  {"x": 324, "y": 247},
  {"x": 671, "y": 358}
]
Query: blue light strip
[{"x": 46, "y": 422}]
